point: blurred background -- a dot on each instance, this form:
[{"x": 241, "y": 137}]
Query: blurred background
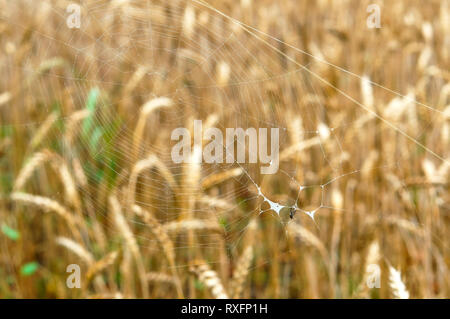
[{"x": 90, "y": 92}]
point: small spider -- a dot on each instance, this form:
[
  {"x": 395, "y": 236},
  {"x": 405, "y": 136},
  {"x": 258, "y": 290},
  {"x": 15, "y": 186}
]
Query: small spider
[{"x": 292, "y": 212}]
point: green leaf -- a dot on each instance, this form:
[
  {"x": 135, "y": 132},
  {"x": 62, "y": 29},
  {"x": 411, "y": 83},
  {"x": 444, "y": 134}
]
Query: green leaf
[
  {"x": 6, "y": 130},
  {"x": 10, "y": 233},
  {"x": 90, "y": 106},
  {"x": 198, "y": 285},
  {"x": 95, "y": 139},
  {"x": 29, "y": 268},
  {"x": 223, "y": 222}
]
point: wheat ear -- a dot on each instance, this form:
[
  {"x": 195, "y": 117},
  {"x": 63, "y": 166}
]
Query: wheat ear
[
  {"x": 146, "y": 110},
  {"x": 48, "y": 204},
  {"x": 130, "y": 241},
  {"x": 398, "y": 287},
  {"x": 192, "y": 225},
  {"x": 101, "y": 265},
  {"x": 218, "y": 178},
  {"x": 373, "y": 257},
  {"x": 308, "y": 238},
  {"x": 36, "y": 160},
  {"x": 161, "y": 278},
  {"x": 164, "y": 241},
  {"x": 145, "y": 164},
  {"x": 76, "y": 248},
  {"x": 241, "y": 272},
  {"x": 210, "y": 279}
]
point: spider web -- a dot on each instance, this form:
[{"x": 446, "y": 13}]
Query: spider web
[{"x": 214, "y": 67}]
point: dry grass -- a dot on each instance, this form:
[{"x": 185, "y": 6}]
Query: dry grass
[{"x": 86, "y": 175}]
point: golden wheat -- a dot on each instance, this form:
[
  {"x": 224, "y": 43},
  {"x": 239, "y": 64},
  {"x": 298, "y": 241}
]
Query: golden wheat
[
  {"x": 210, "y": 279},
  {"x": 398, "y": 288}
]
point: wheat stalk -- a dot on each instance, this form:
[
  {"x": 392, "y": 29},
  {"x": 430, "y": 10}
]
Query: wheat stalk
[
  {"x": 215, "y": 202},
  {"x": 76, "y": 248},
  {"x": 85, "y": 255},
  {"x": 189, "y": 20},
  {"x": 308, "y": 238},
  {"x": 398, "y": 288},
  {"x": 161, "y": 278},
  {"x": 192, "y": 224},
  {"x": 79, "y": 174},
  {"x": 73, "y": 123},
  {"x": 164, "y": 241},
  {"x": 241, "y": 272},
  {"x": 70, "y": 187},
  {"x": 48, "y": 204},
  {"x": 43, "y": 130},
  {"x": 5, "y": 97},
  {"x": 244, "y": 262},
  {"x": 145, "y": 164},
  {"x": 101, "y": 265},
  {"x": 210, "y": 279},
  {"x": 137, "y": 76},
  {"x": 159, "y": 232},
  {"x": 407, "y": 225},
  {"x": 58, "y": 164},
  {"x": 146, "y": 110},
  {"x": 190, "y": 187},
  {"x": 130, "y": 240},
  {"x": 303, "y": 145},
  {"x": 36, "y": 160},
  {"x": 373, "y": 257},
  {"x": 367, "y": 92},
  {"x": 218, "y": 178}
]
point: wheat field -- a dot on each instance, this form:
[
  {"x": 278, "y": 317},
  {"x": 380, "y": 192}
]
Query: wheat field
[{"x": 87, "y": 178}]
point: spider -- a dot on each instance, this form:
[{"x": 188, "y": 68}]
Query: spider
[{"x": 292, "y": 212}]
